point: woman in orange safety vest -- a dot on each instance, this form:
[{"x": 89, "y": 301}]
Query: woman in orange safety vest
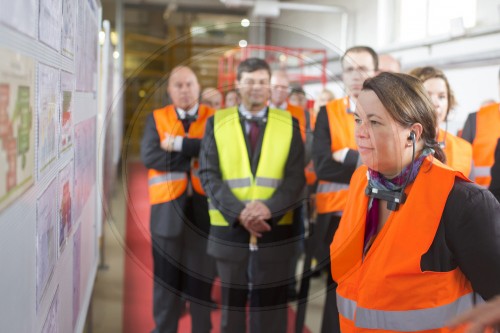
[
  {"x": 418, "y": 243},
  {"x": 458, "y": 152}
]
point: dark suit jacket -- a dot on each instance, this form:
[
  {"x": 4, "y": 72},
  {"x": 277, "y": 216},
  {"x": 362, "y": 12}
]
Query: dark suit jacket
[
  {"x": 168, "y": 219},
  {"x": 231, "y": 243},
  {"x": 495, "y": 173}
]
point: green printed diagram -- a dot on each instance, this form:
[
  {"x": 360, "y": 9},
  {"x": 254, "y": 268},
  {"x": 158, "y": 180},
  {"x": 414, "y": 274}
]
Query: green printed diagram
[{"x": 15, "y": 135}]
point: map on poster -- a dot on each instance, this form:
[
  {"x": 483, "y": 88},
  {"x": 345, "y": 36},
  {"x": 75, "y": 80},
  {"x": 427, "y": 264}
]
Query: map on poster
[
  {"x": 19, "y": 15},
  {"x": 68, "y": 28},
  {"x": 46, "y": 217},
  {"x": 48, "y": 97},
  {"x": 50, "y": 325},
  {"x": 50, "y": 24},
  {"x": 67, "y": 100},
  {"x": 17, "y": 149},
  {"x": 65, "y": 198}
]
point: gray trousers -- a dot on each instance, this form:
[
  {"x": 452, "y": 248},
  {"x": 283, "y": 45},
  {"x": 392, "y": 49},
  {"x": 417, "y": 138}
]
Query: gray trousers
[{"x": 259, "y": 283}]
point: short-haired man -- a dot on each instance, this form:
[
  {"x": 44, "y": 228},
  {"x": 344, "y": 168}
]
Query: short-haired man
[
  {"x": 252, "y": 169},
  {"x": 179, "y": 209}
]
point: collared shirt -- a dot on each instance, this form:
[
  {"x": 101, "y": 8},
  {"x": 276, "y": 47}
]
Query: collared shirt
[
  {"x": 191, "y": 112},
  {"x": 245, "y": 113}
]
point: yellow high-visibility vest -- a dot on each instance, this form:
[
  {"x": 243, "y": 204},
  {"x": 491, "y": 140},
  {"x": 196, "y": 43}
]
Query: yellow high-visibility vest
[{"x": 235, "y": 165}]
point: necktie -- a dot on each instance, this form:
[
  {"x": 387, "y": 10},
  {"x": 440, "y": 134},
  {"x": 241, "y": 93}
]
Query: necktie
[
  {"x": 253, "y": 134},
  {"x": 186, "y": 123}
]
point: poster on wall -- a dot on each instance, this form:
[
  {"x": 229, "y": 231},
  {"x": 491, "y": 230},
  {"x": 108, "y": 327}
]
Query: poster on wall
[
  {"x": 67, "y": 102},
  {"x": 50, "y": 325},
  {"x": 76, "y": 273},
  {"x": 86, "y": 46},
  {"x": 50, "y": 23},
  {"x": 46, "y": 217},
  {"x": 19, "y": 15},
  {"x": 85, "y": 163},
  {"x": 65, "y": 198},
  {"x": 48, "y": 97},
  {"x": 68, "y": 28},
  {"x": 17, "y": 149}
]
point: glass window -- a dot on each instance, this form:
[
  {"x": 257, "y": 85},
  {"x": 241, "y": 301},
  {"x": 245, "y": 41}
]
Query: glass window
[{"x": 420, "y": 19}]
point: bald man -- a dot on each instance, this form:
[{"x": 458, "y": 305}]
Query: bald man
[
  {"x": 212, "y": 97},
  {"x": 179, "y": 209}
]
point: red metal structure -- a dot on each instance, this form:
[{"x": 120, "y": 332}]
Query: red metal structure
[{"x": 303, "y": 65}]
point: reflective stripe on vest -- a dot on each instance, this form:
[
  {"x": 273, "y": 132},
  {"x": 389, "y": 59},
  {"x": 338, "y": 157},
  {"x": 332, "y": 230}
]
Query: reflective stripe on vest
[
  {"x": 482, "y": 171},
  {"x": 341, "y": 125},
  {"x": 235, "y": 165},
  {"x": 168, "y": 176},
  {"x": 405, "y": 321},
  {"x": 331, "y": 187}
]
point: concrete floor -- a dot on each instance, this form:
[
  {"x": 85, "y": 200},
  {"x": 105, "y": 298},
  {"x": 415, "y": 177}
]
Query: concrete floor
[{"x": 107, "y": 303}]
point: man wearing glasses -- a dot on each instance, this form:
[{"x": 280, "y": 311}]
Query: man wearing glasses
[{"x": 335, "y": 159}]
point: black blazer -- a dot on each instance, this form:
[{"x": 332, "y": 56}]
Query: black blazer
[
  {"x": 169, "y": 219},
  {"x": 231, "y": 242}
]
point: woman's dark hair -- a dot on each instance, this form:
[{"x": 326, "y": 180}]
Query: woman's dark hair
[
  {"x": 406, "y": 100},
  {"x": 428, "y": 72},
  {"x": 251, "y": 65}
]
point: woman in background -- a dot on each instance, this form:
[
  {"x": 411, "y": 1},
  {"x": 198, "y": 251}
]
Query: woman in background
[{"x": 458, "y": 152}]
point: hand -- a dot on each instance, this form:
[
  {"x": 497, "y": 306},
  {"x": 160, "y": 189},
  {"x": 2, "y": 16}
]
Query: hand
[
  {"x": 339, "y": 155},
  {"x": 259, "y": 209},
  {"x": 253, "y": 217},
  {"x": 479, "y": 319},
  {"x": 167, "y": 143}
]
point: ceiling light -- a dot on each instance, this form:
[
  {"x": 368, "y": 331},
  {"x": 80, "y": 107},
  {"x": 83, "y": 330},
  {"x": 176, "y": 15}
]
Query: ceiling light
[{"x": 245, "y": 23}]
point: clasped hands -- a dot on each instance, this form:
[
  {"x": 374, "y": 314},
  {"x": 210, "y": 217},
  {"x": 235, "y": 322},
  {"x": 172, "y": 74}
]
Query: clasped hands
[{"x": 253, "y": 218}]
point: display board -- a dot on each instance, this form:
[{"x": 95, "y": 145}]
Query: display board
[{"x": 48, "y": 163}]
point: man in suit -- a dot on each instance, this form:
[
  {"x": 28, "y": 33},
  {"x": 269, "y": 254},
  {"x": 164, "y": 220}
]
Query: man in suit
[
  {"x": 252, "y": 169},
  {"x": 179, "y": 210}
]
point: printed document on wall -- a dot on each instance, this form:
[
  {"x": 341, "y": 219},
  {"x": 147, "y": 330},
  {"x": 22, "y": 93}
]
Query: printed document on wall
[
  {"x": 46, "y": 217},
  {"x": 48, "y": 98},
  {"x": 50, "y": 24},
  {"x": 17, "y": 149}
]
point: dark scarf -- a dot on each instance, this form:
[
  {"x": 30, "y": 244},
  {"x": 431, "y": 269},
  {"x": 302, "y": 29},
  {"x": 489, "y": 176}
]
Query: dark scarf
[{"x": 378, "y": 181}]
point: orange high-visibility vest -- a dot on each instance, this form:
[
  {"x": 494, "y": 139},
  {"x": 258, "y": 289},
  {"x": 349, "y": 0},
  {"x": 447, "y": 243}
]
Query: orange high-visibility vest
[
  {"x": 300, "y": 114},
  {"x": 168, "y": 186},
  {"x": 458, "y": 152},
  {"x": 483, "y": 146},
  {"x": 387, "y": 290},
  {"x": 331, "y": 196}
]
